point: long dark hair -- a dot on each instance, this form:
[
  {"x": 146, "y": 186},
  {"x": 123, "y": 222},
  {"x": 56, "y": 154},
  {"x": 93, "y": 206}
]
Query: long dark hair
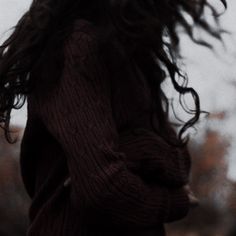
[{"x": 147, "y": 30}]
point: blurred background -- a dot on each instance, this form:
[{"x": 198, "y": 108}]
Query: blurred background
[{"x": 213, "y": 144}]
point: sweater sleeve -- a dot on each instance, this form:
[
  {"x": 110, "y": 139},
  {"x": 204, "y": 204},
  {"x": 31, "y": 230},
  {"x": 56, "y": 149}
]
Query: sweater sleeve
[
  {"x": 78, "y": 114},
  {"x": 149, "y": 155}
]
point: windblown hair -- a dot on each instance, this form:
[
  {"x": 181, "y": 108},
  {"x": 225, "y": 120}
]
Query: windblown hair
[{"x": 147, "y": 33}]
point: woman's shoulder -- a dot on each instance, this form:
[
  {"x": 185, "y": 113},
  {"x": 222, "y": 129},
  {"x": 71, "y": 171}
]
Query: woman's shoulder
[
  {"x": 82, "y": 38},
  {"x": 83, "y": 28},
  {"x": 82, "y": 24}
]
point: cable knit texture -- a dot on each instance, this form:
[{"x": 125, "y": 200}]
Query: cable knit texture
[{"x": 75, "y": 162}]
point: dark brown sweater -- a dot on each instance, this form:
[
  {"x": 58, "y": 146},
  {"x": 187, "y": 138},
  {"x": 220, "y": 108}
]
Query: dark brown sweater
[
  {"x": 153, "y": 159},
  {"x": 72, "y": 131}
]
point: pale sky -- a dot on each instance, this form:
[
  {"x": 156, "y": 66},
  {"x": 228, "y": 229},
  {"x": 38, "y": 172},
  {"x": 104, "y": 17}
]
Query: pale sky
[{"x": 209, "y": 73}]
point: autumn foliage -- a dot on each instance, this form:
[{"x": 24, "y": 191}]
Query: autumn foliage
[{"x": 214, "y": 216}]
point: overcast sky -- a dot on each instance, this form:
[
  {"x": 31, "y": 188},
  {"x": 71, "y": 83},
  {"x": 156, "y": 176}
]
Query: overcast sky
[{"x": 209, "y": 73}]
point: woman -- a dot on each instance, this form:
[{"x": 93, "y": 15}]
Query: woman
[{"x": 92, "y": 74}]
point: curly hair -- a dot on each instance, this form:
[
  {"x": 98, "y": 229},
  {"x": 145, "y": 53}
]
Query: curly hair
[{"x": 146, "y": 32}]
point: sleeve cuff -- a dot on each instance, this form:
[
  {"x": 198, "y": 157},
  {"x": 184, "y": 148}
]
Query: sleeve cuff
[{"x": 178, "y": 204}]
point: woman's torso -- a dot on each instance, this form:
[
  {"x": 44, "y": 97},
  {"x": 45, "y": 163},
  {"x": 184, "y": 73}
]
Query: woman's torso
[{"x": 43, "y": 164}]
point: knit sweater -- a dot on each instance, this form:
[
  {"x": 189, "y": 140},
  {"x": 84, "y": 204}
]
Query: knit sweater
[
  {"x": 73, "y": 132},
  {"x": 153, "y": 159}
]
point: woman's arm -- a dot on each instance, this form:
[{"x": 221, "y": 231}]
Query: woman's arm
[
  {"x": 151, "y": 157},
  {"x": 78, "y": 114}
]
